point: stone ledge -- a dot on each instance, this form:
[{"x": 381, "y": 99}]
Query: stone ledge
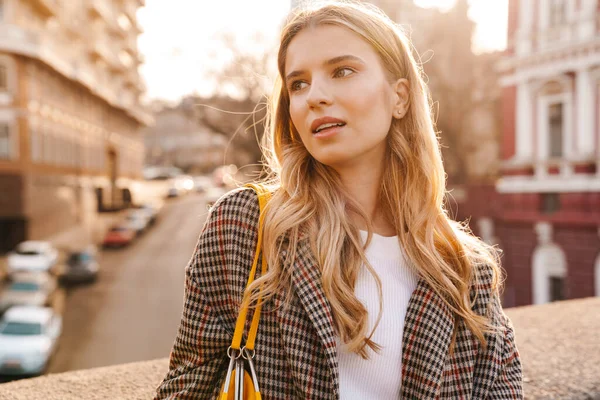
[
  {"x": 135, "y": 381},
  {"x": 558, "y": 343},
  {"x": 560, "y": 348}
]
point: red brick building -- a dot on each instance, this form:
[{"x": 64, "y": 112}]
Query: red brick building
[{"x": 545, "y": 210}]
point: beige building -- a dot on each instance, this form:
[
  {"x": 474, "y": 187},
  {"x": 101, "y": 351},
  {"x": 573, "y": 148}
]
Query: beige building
[
  {"x": 69, "y": 113},
  {"x": 179, "y": 139}
]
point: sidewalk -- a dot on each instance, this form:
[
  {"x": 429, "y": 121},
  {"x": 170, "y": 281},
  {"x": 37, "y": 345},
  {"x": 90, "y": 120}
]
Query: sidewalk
[{"x": 81, "y": 236}]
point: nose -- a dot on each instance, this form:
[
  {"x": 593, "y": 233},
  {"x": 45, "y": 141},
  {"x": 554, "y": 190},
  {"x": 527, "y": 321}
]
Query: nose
[{"x": 319, "y": 94}]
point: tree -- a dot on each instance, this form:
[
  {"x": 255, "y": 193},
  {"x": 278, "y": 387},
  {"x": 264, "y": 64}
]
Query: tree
[
  {"x": 238, "y": 109},
  {"x": 464, "y": 87}
]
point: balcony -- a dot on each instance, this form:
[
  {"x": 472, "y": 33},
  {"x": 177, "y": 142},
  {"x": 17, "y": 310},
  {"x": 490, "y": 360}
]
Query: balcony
[
  {"x": 137, "y": 27},
  {"x": 59, "y": 56},
  {"x": 557, "y": 342},
  {"x": 131, "y": 11},
  {"x": 100, "y": 50},
  {"x": 14, "y": 39},
  {"x": 131, "y": 45},
  {"x": 124, "y": 26},
  {"x": 98, "y": 9},
  {"x": 48, "y": 8},
  {"x": 135, "y": 82},
  {"x": 552, "y": 175}
]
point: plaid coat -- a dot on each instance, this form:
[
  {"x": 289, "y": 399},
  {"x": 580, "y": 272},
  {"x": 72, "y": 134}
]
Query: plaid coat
[{"x": 296, "y": 347}]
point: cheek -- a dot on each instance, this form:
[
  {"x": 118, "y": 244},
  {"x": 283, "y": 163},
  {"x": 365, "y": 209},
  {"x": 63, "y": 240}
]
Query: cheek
[
  {"x": 374, "y": 104},
  {"x": 371, "y": 101},
  {"x": 297, "y": 115},
  {"x": 294, "y": 113}
]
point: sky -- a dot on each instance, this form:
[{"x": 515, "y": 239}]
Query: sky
[{"x": 181, "y": 45}]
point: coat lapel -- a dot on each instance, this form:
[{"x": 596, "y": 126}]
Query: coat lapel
[
  {"x": 306, "y": 279},
  {"x": 426, "y": 340}
]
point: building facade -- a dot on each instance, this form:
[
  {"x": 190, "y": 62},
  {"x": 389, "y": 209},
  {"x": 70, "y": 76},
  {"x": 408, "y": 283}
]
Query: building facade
[
  {"x": 70, "y": 117},
  {"x": 179, "y": 139},
  {"x": 547, "y": 218}
]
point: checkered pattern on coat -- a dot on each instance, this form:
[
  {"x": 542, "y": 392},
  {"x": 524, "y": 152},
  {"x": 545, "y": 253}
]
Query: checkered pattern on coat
[{"x": 295, "y": 347}]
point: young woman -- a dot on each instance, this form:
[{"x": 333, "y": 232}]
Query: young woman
[{"x": 372, "y": 291}]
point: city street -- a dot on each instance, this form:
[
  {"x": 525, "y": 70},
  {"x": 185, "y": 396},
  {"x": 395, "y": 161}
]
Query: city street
[{"x": 132, "y": 312}]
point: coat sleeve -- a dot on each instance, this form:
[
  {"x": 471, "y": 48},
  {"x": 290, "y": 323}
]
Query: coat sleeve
[
  {"x": 199, "y": 352},
  {"x": 509, "y": 382},
  {"x": 198, "y": 359}
]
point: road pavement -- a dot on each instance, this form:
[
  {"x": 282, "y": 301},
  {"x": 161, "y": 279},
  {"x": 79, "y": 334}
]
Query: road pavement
[{"x": 132, "y": 312}]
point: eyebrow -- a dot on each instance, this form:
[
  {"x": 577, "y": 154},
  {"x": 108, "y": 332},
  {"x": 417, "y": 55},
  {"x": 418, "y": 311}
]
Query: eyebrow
[{"x": 332, "y": 61}]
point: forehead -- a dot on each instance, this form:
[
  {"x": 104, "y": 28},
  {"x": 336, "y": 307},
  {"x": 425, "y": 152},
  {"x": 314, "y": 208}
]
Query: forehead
[{"x": 314, "y": 45}]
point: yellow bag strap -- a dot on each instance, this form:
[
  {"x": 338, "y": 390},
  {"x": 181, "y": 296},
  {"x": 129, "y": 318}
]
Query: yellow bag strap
[{"x": 263, "y": 197}]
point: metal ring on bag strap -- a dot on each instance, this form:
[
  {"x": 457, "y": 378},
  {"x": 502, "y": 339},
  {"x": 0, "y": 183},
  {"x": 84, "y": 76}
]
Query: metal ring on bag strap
[
  {"x": 246, "y": 353},
  {"x": 230, "y": 356}
]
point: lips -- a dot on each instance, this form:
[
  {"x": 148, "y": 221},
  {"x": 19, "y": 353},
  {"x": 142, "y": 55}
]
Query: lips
[{"x": 324, "y": 123}]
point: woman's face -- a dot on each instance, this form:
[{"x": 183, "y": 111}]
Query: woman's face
[{"x": 341, "y": 101}]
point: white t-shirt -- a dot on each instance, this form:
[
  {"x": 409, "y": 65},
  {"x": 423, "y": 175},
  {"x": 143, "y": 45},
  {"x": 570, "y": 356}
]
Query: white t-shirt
[{"x": 380, "y": 377}]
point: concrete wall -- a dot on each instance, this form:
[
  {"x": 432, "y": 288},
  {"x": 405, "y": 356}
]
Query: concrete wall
[{"x": 558, "y": 343}]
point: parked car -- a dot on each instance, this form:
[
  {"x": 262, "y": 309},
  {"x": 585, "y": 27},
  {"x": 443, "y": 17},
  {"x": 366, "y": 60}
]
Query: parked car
[
  {"x": 28, "y": 289},
  {"x": 137, "y": 220},
  {"x": 150, "y": 210},
  {"x": 184, "y": 183},
  {"x": 81, "y": 266},
  {"x": 173, "y": 191},
  {"x": 118, "y": 236},
  {"x": 213, "y": 194},
  {"x": 202, "y": 183},
  {"x": 28, "y": 338},
  {"x": 32, "y": 256}
]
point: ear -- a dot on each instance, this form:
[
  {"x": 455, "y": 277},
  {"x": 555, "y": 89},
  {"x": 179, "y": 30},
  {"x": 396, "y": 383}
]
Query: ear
[{"x": 402, "y": 97}]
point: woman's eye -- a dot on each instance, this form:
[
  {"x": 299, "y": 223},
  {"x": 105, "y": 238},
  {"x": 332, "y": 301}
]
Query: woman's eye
[
  {"x": 343, "y": 72},
  {"x": 297, "y": 85}
]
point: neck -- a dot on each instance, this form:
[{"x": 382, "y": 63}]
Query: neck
[{"x": 363, "y": 185}]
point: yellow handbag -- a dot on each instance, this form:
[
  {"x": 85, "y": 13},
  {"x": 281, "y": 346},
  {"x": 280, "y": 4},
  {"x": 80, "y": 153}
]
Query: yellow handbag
[{"x": 239, "y": 384}]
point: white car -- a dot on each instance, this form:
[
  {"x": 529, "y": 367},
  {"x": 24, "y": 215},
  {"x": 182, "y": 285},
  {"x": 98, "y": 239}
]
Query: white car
[
  {"x": 150, "y": 210},
  {"x": 202, "y": 183},
  {"x": 137, "y": 220},
  {"x": 213, "y": 194},
  {"x": 28, "y": 338},
  {"x": 28, "y": 289},
  {"x": 32, "y": 256}
]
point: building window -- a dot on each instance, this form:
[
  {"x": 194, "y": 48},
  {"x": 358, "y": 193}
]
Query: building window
[
  {"x": 4, "y": 141},
  {"x": 3, "y": 77},
  {"x": 36, "y": 144},
  {"x": 47, "y": 147},
  {"x": 549, "y": 267},
  {"x": 597, "y": 273},
  {"x": 558, "y": 13},
  {"x": 550, "y": 203},
  {"x": 555, "y": 129},
  {"x": 557, "y": 286}
]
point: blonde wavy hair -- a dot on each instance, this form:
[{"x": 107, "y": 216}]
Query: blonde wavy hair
[{"x": 308, "y": 197}]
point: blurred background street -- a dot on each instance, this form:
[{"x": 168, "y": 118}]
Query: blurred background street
[
  {"x": 133, "y": 312},
  {"x": 121, "y": 122}
]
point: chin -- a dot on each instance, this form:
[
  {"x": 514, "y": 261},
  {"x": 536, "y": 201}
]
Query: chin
[{"x": 331, "y": 160}]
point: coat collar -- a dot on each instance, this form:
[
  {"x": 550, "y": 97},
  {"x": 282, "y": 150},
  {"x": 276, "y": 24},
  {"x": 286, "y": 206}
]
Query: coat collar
[{"x": 428, "y": 328}]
